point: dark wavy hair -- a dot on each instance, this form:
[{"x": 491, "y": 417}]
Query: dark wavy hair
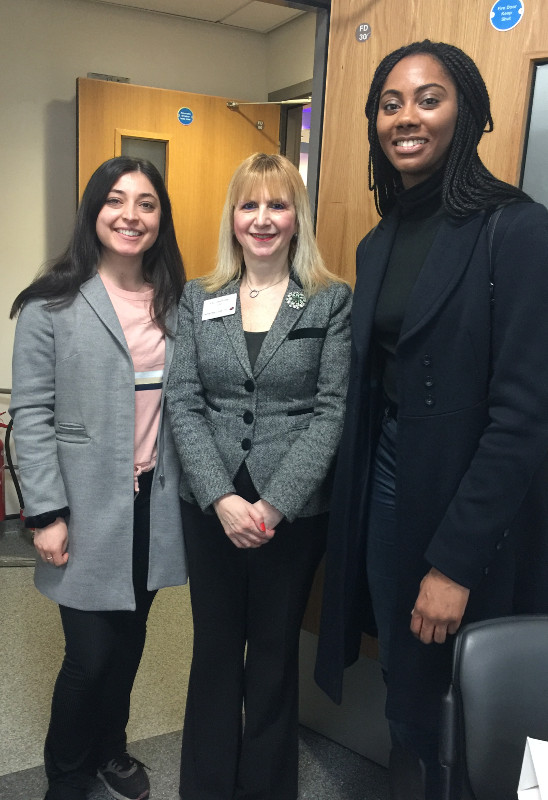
[
  {"x": 60, "y": 279},
  {"x": 468, "y": 186}
]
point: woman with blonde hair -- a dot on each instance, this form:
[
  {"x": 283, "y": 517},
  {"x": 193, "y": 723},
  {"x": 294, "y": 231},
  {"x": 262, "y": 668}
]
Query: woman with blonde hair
[{"x": 256, "y": 394}]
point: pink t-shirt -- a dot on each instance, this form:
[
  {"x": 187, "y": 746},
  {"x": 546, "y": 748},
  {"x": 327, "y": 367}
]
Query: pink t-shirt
[{"x": 146, "y": 343}]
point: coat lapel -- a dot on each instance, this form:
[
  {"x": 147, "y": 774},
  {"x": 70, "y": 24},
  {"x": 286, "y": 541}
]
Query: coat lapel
[
  {"x": 234, "y": 328},
  {"x": 97, "y": 296},
  {"x": 171, "y": 324},
  {"x": 283, "y": 323},
  {"x": 447, "y": 260},
  {"x": 371, "y": 269}
]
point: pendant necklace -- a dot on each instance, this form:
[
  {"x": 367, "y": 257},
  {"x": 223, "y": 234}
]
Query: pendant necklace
[{"x": 255, "y": 292}]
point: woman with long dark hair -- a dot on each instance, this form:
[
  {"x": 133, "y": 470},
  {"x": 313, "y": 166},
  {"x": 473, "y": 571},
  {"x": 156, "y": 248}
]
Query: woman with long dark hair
[
  {"x": 98, "y": 467},
  {"x": 435, "y": 520}
]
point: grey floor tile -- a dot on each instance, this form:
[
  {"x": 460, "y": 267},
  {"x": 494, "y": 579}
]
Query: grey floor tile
[
  {"x": 29, "y": 784},
  {"x": 327, "y": 772}
]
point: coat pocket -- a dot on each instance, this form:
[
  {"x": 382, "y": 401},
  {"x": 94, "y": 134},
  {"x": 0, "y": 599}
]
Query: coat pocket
[
  {"x": 300, "y": 417},
  {"x": 307, "y": 333},
  {"x": 72, "y": 432}
]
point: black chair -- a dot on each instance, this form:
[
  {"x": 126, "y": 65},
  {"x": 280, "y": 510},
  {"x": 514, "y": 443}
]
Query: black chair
[{"x": 498, "y": 697}]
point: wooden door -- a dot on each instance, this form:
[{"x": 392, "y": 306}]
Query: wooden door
[
  {"x": 346, "y": 210},
  {"x": 201, "y": 152}
]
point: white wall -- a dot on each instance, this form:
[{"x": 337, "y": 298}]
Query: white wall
[
  {"x": 291, "y": 53},
  {"x": 44, "y": 46}
]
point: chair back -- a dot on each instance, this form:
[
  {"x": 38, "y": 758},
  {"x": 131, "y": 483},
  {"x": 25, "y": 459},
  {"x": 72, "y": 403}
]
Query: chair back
[{"x": 498, "y": 697}]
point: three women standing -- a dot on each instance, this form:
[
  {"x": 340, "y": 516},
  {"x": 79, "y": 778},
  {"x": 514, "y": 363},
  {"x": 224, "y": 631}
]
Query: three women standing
[
  {"x": 98, "y": 466},
  {"x": 256, "y": 400},
  {"x": 445, "y": 433},
  {"x": 434, "y": 516}
]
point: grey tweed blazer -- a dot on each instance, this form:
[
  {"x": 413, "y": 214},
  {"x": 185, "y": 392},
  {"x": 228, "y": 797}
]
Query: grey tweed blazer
[
  {"x": 284, "y": 417},
  {"x": 73, "y": 404}
]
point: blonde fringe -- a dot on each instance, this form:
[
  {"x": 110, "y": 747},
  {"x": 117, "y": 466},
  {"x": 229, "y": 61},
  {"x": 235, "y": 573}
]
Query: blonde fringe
[{"x": 281, "y": 179}]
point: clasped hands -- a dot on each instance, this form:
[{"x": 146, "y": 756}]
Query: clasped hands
[
  {"x": 247, "y": 524},
  {"x": 439, "y": 607}
]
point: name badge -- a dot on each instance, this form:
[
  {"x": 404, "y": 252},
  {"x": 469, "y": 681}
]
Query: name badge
[{"x": 219, "y": 306}]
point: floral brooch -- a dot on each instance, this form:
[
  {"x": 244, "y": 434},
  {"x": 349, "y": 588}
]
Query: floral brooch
[{"x": 296, "y": 299}]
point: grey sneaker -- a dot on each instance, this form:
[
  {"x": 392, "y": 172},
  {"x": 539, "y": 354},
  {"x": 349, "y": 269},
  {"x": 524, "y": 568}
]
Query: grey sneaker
[{"x": 125, "y": 778}]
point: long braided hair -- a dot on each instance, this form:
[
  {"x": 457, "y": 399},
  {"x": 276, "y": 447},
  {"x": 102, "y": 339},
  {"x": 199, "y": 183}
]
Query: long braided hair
[{"x": 467, "y": 186}]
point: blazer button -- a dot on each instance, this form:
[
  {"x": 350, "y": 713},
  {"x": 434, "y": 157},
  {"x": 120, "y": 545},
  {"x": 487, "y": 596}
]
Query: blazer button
[
  {"x": 249, "y": 386},
  {"x": 427, "y": 361},
  {"x": 486, "y": 571},
  {"x": 499, "y": 545},
  {"x": 248, "y": 417},
  {"x": 430, "y": 400},
  {"x": 246, "y": 444},
  {"x": 506, "y": 533},
  {"x": 429, "y": 382}
]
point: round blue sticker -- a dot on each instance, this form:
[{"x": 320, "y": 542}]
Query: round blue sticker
[
  {"x": 506, "y": 15},
  {"x": 185, "y": 116}
]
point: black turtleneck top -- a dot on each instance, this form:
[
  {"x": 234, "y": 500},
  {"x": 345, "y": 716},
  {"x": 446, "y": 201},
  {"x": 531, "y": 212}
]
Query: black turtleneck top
[{"x": 420, "y": 209}]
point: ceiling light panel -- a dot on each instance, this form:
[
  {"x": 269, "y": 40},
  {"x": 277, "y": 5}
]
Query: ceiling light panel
[
  {"x": 261, "y": 17},
  {"x": 208, "y": 10}
]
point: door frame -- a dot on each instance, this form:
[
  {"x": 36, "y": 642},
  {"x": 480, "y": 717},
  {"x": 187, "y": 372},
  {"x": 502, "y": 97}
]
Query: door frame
[
  {"x": 539, "y": 60},
  {"x": 317, "y": 89}
]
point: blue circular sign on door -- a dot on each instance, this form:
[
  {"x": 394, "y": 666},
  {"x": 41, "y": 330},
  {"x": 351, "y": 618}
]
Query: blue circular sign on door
[
  {"x": 506, "y": 14},
  {"x": 185, "y": 116}
]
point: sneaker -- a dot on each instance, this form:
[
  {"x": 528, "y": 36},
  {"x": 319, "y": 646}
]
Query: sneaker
[{"x": 125, "y": 778}]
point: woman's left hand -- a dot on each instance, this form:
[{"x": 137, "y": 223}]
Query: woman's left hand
[
  {"x": 270, "y": 515},
  {"x": 51, "y": 543},
  {"x": 439, "y": 608}
]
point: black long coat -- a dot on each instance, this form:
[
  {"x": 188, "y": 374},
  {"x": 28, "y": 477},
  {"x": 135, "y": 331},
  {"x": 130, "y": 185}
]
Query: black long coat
[{"x": 472, "y": 441}]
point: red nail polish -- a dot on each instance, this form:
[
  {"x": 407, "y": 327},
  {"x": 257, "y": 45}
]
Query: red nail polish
[{"x": 263, "y": 526}]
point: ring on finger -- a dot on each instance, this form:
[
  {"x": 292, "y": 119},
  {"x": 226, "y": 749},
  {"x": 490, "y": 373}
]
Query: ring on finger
[{"x": 49, "y": 558}]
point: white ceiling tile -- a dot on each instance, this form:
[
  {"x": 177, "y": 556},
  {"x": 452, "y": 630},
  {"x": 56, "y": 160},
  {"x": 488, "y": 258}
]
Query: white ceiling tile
[
  {"x": 261, "y": 17},
  {"x": 251, "y": 14},
  {"x": 208, "y": 10}
]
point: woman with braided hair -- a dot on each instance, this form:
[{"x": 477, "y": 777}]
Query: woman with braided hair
[{"x": 437, "y": 515}]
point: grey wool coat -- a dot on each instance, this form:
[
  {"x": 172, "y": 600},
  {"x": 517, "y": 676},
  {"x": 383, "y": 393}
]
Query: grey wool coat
[
  {"x": 73, "y": 405},
  {"x": 284, "y": 417}
]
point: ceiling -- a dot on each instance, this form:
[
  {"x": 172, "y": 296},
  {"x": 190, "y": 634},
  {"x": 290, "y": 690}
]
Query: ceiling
[{"x": 250, "y": 14}]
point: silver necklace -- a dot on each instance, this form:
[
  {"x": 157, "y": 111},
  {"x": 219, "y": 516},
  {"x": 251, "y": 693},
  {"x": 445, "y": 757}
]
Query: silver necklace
[{"x": 256, "y": 292}]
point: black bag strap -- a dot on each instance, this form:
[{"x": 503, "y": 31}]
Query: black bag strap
[{"x": 491, "y": 226}]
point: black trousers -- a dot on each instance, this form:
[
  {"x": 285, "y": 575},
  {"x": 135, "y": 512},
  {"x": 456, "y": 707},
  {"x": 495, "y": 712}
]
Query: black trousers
[
  {"x": 90, "y": 704},
  {"x": 247, "y": 607}
]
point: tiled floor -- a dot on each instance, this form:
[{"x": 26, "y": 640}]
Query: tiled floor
[{"x": 327, "y": 772}]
